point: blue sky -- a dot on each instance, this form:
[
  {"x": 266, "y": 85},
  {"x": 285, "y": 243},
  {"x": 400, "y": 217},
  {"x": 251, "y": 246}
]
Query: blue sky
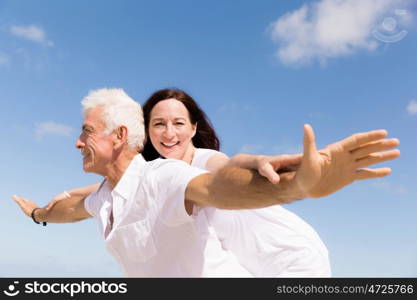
[{"x": 260, "y": 69}]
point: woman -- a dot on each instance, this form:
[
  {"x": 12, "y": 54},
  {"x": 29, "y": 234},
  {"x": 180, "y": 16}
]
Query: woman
[{"x": 266, "y": 242}]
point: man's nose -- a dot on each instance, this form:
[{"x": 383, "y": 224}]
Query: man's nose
[{"x": 79, "y": 144}]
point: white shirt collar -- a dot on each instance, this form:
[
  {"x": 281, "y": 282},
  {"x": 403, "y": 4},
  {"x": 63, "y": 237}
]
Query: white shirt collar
[{"x": 124, "y": 187}]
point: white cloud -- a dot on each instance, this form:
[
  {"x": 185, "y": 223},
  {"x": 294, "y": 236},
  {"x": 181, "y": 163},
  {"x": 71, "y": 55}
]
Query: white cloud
[
  {"x": 317, "y": 115},
  {"x": 390, "y": 187},
  {"x": 232, "y": 107},
  {"x": 287, "y": 149},
  {"x": 271, "y": 150},
  {"x": 331, "y": 28},
  {"x": 252, "y": 148},
  {"x": 412, "y": 107},
  {"x": 4, "y": 59},
  {"x": 52, "y": 128},
  {"x": 32, "y": 33}
]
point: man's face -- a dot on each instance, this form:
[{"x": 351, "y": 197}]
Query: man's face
[{"x": 96, "y": 148}]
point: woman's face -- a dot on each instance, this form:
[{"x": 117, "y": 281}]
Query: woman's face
[{"x": 171, "y": 131}]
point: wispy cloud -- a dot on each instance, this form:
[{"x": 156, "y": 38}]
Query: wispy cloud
[
  {"x": 233, "y": 107},
  {"x": 4, "y": 59},
  {"x": 271, "y": 150},
  {"x": 317, "y": 115},
  {"x": 32, "y": 33},
  {"x": 52, "y": 128},
  {"x": 252, "y": 149},
  {"x": 412, "y": 107},
  {"x": 287, "y": 149},
  {"x": 329, "y": 28},
  {"x": 390, "y": 187}
]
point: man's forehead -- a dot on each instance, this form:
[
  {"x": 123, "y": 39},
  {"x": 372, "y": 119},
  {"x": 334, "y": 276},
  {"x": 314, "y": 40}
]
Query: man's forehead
[{"x": 93, "y": 117}]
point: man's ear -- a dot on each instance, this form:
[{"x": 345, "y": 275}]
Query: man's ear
[{"x": 121, "y": 133}]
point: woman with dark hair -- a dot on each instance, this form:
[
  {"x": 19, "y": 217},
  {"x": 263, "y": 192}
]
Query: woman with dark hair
[
  {"x": 263, "y": 242},
  {"x": 267, "y": 242},
  {"x": 205, "y": 136}
]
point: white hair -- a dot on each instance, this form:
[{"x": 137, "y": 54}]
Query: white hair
[{"x": 118, "y": 109}]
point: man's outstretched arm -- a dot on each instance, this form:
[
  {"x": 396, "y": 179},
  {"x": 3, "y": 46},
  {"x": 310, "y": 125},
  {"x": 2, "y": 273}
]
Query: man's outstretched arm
[
  {"x": 237, "y": 188},
  {"x": 321, "y": 173},
  {"x": 77, "y": 193},
  {"x": 70, "y": 210}
]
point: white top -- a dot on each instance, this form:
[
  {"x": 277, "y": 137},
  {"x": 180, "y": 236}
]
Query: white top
[
  {"x": 152, "y": 234},
  {"x": 268, "y": 242}
]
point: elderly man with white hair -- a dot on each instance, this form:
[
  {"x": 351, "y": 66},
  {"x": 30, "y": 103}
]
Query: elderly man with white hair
[{"x": 145, "y": 209}]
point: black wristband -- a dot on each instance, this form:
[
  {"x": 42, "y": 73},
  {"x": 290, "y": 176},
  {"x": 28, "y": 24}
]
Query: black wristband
[{"x": 33, "y": 217}]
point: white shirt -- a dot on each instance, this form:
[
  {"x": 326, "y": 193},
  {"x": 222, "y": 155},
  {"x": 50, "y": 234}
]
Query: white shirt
[
  {"x": 152, "y": 235},
  {"x": 268, "y": 242}
]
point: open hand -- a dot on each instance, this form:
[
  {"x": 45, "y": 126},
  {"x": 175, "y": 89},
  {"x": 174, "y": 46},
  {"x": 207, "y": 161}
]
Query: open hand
[
  {"x": 339, "y": 164},
  {"x": 26, "y": 205}
]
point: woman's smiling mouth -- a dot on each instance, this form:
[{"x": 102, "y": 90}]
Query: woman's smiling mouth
[{"x": 169, "y": 145}]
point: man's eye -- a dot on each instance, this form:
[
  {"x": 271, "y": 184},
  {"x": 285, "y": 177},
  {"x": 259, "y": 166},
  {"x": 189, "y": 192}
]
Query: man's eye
[
  {"x": 179, "y": 123},
  {"x": 158, "y": 124}
]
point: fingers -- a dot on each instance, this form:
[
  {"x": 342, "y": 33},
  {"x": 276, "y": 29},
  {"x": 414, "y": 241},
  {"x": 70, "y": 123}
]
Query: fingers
[
  {"x": 372, "y": 147},
  {"x": 378, "y": 157},
  {"x": 309, "y": 141},
  {"x": 24, "y": 204},
  {"x": 269, "y": 166},
  {"x": 291, "y": 160},
  {"x": 358, "y": 139},
  {"x": 19, "y": 200},
  {"x": 285, "y": 160},
  {"x": 268, "y": 171},
  {"x": 372, "y": 173}
]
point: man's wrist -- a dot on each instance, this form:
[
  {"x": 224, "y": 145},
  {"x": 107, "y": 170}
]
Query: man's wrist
[
  {"x": 33, "y": 215},
  {"x": 293, "y": 191}
]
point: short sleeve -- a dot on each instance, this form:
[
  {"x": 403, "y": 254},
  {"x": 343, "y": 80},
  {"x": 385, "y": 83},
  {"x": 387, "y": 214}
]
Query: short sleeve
[
  {"x": 89, "y": 204},
  {"x": 92, "y": 203},
  {"x": 171, "y": 179},
  {"x": 201, "y": 156}
]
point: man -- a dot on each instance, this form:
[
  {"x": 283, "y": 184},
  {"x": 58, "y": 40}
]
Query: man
[{"x": 145, "y": 209}]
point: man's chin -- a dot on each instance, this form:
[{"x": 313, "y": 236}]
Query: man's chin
[{"x": 87, "y": 169}]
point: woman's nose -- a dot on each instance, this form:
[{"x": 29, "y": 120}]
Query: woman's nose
[{"x": 169, "y": 131}]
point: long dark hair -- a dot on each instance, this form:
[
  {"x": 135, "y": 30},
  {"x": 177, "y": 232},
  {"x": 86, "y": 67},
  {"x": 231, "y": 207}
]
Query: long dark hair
[{"x": 205, "y": 136}]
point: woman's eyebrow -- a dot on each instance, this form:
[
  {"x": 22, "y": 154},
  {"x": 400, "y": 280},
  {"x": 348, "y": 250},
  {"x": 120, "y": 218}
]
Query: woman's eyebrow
[
  {"x": 161, "y": 118},
  {"x": 157, "y": 119}
]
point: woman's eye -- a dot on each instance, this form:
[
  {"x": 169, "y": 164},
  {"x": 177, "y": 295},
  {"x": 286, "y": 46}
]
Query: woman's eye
[
  {"x": 158, "y": 124},
  {"x": 179, "y": 123}
]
